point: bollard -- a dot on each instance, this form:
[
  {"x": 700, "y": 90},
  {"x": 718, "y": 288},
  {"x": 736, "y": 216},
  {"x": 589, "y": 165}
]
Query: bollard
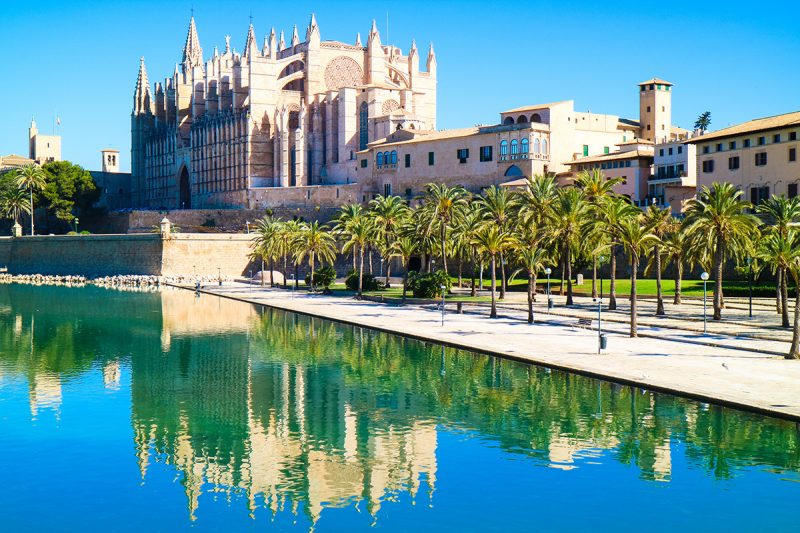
[
  {"x": 460, "y": 308},
  {"x": 550, "y": 303}
]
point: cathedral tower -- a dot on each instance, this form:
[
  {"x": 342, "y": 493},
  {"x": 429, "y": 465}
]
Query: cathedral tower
[{"x": 655, "y": 110}]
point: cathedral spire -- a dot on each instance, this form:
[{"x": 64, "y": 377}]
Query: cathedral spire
[
  {"x": 192, "y": 53},
  {"x": 273, "y": 44},
  {"x": 431, "y": 66},
  {"x": 282, "y": 42},
  {"x": 374, "y": 36},
  {"x": 227, "y": 44},
  {"x": 250, "y": 48},
  {"x": 295, "y": 37},
  {"x": 358, "y": 39},
  {"x": 265, "y": 48},
  {"x": 141, "y": 95},
  {"x": 312, "y": 30}
]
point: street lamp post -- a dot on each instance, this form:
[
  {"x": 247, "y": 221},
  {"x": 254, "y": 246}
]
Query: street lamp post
[
  {"x": 219, "y": 275},
  {"x": 247, "y": 226},
  {"x": 443, "y": 292},
  {"x": 291, "y": 278},
  {"x": 548, "y": 271},
  {"x": 600, "y": 315},
  {"x": 76, "y": 224},
  {"x": 381, "y": 274},
  {"x": 750, "y": 285},
  {"x": 704, "y": 277}
]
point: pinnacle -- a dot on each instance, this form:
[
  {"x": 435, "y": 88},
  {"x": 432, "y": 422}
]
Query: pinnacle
[{"x": 192, "y": 52}]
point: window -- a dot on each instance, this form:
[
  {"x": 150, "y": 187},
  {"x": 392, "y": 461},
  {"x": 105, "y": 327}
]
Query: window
[
  {"x": 719, "y": 147},
  {"x": 363, "y": 163},
  {"x": 525, "y": 146},
  {"x": 514, "y": 149},
  {"x": 708, "y": 166},
  {"x": 792, "y": 192},
  {"x": 776, "y": 138},
  {"x": 387, "y": 158},
  {"x": 462, "y": 154},
  {"x": 585, "y": 150},
  {"x": 762, "y": 141},
  {"x": 661, "y": 152},
  {"x": 761, "y": 159},
  {"x": 503, "y": 150},
  {"x": 616, "y": 164},
  {"x": 680, "y": 149},
  {"x": 606, "y": 150},
  {"x": 732, "y": 145},
  {"x": 627, "y": 164},
  {"x": 408, "y": 160},
  {"x": 706, "y": 149},
  {"x": 394, "y": 158},
  {"x": 758, "y": 194},
  {"x": 792, "y": 155},
  {"x": 747, "y": 143},
  {"x": 387, "y": 189},
  {"x": 733, "y": 163},
  {"x": 408, "y": 192},
  {"x": 544, "y": 146},
  {"x": 669, "y": 151},
  {"x": 793, "y": 136},
  {"x": 431, "y": 159},
  {"x": 363, "y": 126},
  {"x": 485, "y": 154},
  {"x": 648, "y": 109},
  {"x": 379, "y": 159}
]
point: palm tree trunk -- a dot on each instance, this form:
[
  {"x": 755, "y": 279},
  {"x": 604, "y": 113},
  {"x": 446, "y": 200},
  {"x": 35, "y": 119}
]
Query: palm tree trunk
[
  {"x": 442, "y": 233},
  {"x": 594, "y": 277},
  {"x": 535, "y": 281},
  {"x": 33, "y": 211},
  {"x": 405, "y": 277},
  {"x": 612, "y": 290},
  {"x": 271, "y": 272},
  {"x": 285, "y": 271},
  {"x": 502, "y": 276},
  {"x": 568, "y": 263},
  {"x": 785, "y": 300},
  {"x": 311, "y": 264},
  {"x": 634, "y": 263},
  {"x": 361, "y": 273},
  {"x": 493, "y": 313},
  {"x": 370, "y": 260},
  {"x": 794, "y": 351},
  {"x": 563, "y": 275},
  {"x": 355, "y": 266},
  {"x": 530, "y": 297},
  {"x": 388, "y": 269},
  {"x": 460, "y": 268},
  {"x": 778, "y": 299},
  {"x": 678, "y": 277},
  {"x": 472, "y": 291},
  {"x": 659, "y": 294},
  {"x": 720, "y": 253}
]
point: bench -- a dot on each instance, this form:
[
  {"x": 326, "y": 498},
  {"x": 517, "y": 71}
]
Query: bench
[{"x": 585, "y": 323}]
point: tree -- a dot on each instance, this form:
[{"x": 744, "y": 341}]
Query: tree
[
  {"x": 347, "y": 213},
  {"x": 781, "y": 214},
  {"x": 314, "y": 242},
  {"x": 533, "y": 259},
  {"x": 388, "y": 213},
  {"x": 611, "y": 214},
  {"x": 634, "y": 238},
  {"x": 266, "y": 243},
  {"x": 31, "y": 178},
  {"x": 703, "y": 121},
  {"x": 779, "y": 250},
  {"x": 360, "y": 231},
  {"x": 405, "y": 246},
  {"x": 658, "y": 222},
  {"x": 493, "y": 241},
  {"x": 570, "y": 212},
  {"x": 14, "y": 202},
  {"x": 676, "y": 246},
  {"x": 497, "y": 206},
  {"x": 469, "y": 224},
  {"x": 442, "y": 204},
  {"x": 718, "y": 219},
  {"x": 794, "y": 269},
  {"x": 284, "y": 246}
]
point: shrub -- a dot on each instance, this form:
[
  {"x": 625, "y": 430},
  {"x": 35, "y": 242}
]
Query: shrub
[
  {"x": 428, "y": 285},
  {"x": 368, "y": 281},
  {"x": 323, "y": 277},
  {"x": 209, "y": 223}
]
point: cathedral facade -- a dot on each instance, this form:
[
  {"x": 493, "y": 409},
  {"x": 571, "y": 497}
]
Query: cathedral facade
[{"x": 223, "y": 131}]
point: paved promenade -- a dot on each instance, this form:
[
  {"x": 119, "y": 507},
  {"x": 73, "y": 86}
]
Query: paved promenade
[{"x": 733, "y": 372}]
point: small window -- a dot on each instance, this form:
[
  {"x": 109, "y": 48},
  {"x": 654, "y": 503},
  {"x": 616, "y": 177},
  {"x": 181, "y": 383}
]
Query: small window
[
  {"x": 524, "y": 146},
  {"x": 394, "y": 157},
  {"x": 408, "y": 160},
  {"x": 669, "y": 151},
  {"x": 776, "y": 138},
  {"x": 379, "y": 159},
  {"x": 648, "y": 109},
  {"x": 746, "y": 143},
  {"x": 661, "y": 152},
  {"x": 514, "y": 149},
  {"x": 431, "y": 159},
  {"x": 627, "y": 164},
  {"x": 761, "y": 159},
  {"x": 733, "y": 163},
  {"x": 706, "y": 149},
  {"x": 387, "y": 189},
  {"x": 732, "y": 145},
  {"x": 792, "y": 191},
  {"x": 762, "y": 141},
  {"x": 462, "y": 154},
  {"x": 585, "y": 150},
  {"x": 606, "y": 150},
  {"x": 708, "y": 166},
  {"x": 719, "y": 147},
  {"x": 409, "y": 193},
  {"x": 485, "y": 154},
  {"x": 363, "y": 163},
  {"x": 793, "y": 136},
  {"x": 503, "y": 150},
  {"x": 792, "y": 155},
  {"x": 680, "y": 149}
]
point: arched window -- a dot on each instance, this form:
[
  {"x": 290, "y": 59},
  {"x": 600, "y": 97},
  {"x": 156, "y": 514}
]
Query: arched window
[
  {"x": 524, "y": 145},
  {"x": 536, "y": 146},
  {"x": 503, "y": 150},
  {"x": 536, "y": 117},
  {"x": 514, "y": 149},
  {"x": 387, "y": 158},
  {"x": 394, "y": 157},
  {"x": 513, "y": 172},
  {"x": 380, "y": 159},
  {"x": 508, "y": 120},
  {"x": 544, "y": 146},
  {"x": 363, "y": 126},
  {"x": 522, "y": 119}
]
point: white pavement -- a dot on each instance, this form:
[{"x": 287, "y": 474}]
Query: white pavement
[{"x": 748, "y": 379}]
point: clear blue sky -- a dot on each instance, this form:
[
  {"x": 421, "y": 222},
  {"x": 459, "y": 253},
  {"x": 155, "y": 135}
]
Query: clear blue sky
[{"x": 79, "y": 59}]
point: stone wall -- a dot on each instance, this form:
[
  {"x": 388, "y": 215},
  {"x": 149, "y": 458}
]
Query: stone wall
[{"x": 144, "y": 254}]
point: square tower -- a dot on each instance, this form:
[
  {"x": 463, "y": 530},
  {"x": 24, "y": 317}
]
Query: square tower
[
  {"x": 110, "y": 160},
  {"x": 655, "y": 110}
]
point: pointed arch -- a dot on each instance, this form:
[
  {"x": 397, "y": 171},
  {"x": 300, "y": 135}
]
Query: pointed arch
[{"x": 513, "y": 172}]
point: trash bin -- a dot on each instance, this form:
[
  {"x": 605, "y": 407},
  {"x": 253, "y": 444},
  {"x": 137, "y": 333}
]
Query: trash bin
[
  {"x": 460, "y": 307},
  {"x": 603, "y": 341},
  {"x": 549, "y": 303}
]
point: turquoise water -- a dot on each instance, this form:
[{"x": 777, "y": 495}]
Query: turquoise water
[{"x": 132, "y": 411}]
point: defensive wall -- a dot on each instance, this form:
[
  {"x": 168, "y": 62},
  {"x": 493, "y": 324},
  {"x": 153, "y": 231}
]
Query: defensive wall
[{"x": 142, "y": 254}]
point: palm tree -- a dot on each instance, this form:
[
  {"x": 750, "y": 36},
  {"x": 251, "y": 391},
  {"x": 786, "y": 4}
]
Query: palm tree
[
  {"x": 388, "y": 213},
  {"x": 13, "y": 203},
  {"x": 315, "y": 242},
  {"x": 492, "y": 241},
  {"x": 265, "y": 243},
  {"x": 634, "y": 238},
  {"x": 360, "y": 232},
  {"x": 658, "y": 222},
  {"x": 497, "y": 206},
  {"x": 533, "y": 259},
  {"x": 469, "y": 224},
  {"x": 781, "y": 214},
  {"x": 675, "y": 246},
  {"x": 347, "y": 213},
  {"x": 611, "y": 214},
  {"x": 780, "y": 251},
  {"x": 794, "y": 269},
  {"x": 31, "y": 177},
  {"x": 405, "y": 247},
  {"x": 703, "y": 121},
  {"x": 597, "y": 189},
  {"x": 569, "y": 215},
  {"x": 718, "y": 218},
  {"x": 443, "y": 204},
  {"x": 285, "y": 237}
]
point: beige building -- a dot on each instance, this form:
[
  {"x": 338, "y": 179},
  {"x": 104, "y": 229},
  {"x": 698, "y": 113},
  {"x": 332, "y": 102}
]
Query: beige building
[
  {"x": 232, "y": 129},
  {"x": 632, "y": 163},
  {"x": 12, "y": 161},
  {"x": 43, "y": 148},
  {"x": 759, "y": 157}
]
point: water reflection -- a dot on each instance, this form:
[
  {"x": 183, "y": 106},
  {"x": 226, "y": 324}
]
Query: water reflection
[{"x": 294, "y": 414}]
